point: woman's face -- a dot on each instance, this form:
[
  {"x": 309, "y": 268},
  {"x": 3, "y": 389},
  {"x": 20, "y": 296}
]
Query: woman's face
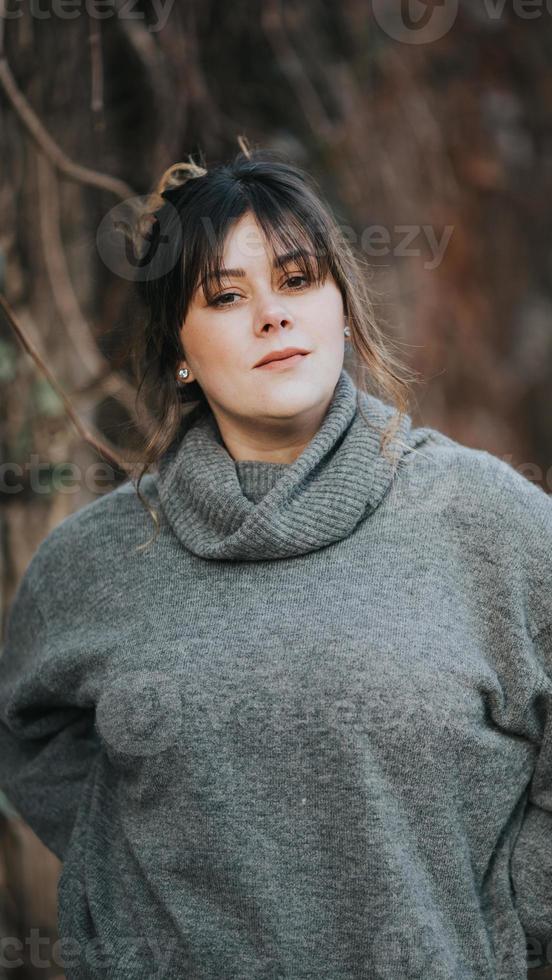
[{"x": 258, "y": 310}]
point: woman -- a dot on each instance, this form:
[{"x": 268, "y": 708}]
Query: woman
[{"x": 304, "y": 729}]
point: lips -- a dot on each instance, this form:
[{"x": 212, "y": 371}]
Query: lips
[
  {"x": 284, "y": 355},
  {"x": 282, "y": 364}
]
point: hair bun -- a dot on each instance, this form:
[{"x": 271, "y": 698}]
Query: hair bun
[
  {"x": 173, "y": 178},
  {"x": 178, "y": 174}
]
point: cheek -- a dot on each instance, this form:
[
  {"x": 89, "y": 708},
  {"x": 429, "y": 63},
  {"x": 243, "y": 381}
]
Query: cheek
[
  {"x": 213, "y": 347},
  {"x": 327, "y": 312}
]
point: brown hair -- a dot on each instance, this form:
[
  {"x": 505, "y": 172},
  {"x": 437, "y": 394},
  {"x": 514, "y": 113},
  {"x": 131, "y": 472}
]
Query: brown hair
[{"x": 190, "y": 210}]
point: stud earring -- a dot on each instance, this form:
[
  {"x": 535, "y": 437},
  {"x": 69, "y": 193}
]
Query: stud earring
[
  {"x": 182, "y": 374},
  {"x": 347, "y": 331}
]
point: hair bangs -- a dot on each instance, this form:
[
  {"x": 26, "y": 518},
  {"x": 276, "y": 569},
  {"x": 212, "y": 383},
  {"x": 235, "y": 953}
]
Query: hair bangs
[
  {"x": 293, "y": 242},
  {"x": 204, "y": 259},
  {"x": 290, "y": 241}
]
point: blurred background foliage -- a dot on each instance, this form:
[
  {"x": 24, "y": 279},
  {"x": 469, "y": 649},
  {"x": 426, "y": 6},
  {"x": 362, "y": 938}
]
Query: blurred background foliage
[{"x": 451, "y": 137}]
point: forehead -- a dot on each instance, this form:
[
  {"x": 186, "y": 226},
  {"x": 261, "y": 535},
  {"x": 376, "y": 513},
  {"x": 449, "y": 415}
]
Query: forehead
[{"x": 246, "y": 244}]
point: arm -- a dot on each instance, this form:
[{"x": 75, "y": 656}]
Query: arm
[
  {"x": 531, "y": 865},
  {"x": 47, "y": 741}
]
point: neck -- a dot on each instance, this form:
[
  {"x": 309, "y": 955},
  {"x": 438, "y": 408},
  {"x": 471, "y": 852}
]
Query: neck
[{"x": 277, "y": 440}]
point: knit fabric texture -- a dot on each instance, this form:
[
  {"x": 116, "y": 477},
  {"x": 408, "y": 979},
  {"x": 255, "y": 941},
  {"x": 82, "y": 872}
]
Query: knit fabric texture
[{"x": 305, "y": 733}]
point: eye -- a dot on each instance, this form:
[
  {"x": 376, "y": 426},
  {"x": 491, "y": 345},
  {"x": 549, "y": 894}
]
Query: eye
[
  {"x": 298, "y": 276},
  {"x": 218, "y": 300}
]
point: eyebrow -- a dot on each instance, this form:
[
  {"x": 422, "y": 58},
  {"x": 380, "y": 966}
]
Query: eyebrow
[{"x": 241, "y": 273}]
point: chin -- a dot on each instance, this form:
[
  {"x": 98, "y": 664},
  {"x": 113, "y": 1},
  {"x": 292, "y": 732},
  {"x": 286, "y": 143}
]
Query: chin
[{"x": 287, "y": 399}]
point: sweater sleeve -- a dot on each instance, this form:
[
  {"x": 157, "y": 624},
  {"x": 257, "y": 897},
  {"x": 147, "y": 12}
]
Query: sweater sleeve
[
  {"x": 47, "y": 741},
  {"x": 531, "y": 863}
]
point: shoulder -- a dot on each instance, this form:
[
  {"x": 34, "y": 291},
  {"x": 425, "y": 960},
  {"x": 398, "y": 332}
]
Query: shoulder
[
  {"x": 487, "y": 506},
  {"x": 93, "y": 539},
  {"x": 478, "y": 479}
]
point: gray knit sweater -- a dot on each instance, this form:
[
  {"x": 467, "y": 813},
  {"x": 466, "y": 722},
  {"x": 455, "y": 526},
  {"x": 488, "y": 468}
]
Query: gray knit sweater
[{"x": 307, "y": 733}]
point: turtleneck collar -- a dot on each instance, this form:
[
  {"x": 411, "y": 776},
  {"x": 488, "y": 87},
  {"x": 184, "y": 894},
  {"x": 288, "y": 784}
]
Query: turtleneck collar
[
  {"x": 223, "y": 508},
  {"x": 257, "y": 478}
]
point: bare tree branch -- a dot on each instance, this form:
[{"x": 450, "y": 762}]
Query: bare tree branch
[
  {"x": 97, "y": 371},
  {"x": 57, "y": 157},
  {"x": 272, "y": 20},
  {"x": 96, "y": 65},
  {"x": 89, "y": 363},
  {"x": 101, "y": 446}
]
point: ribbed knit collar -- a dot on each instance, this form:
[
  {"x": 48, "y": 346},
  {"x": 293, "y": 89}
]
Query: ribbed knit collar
[{"x": 251, "y": 510}]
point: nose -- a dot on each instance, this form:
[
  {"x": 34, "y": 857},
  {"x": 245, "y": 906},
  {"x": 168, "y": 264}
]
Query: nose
[{"x": 272, "y": 317}]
